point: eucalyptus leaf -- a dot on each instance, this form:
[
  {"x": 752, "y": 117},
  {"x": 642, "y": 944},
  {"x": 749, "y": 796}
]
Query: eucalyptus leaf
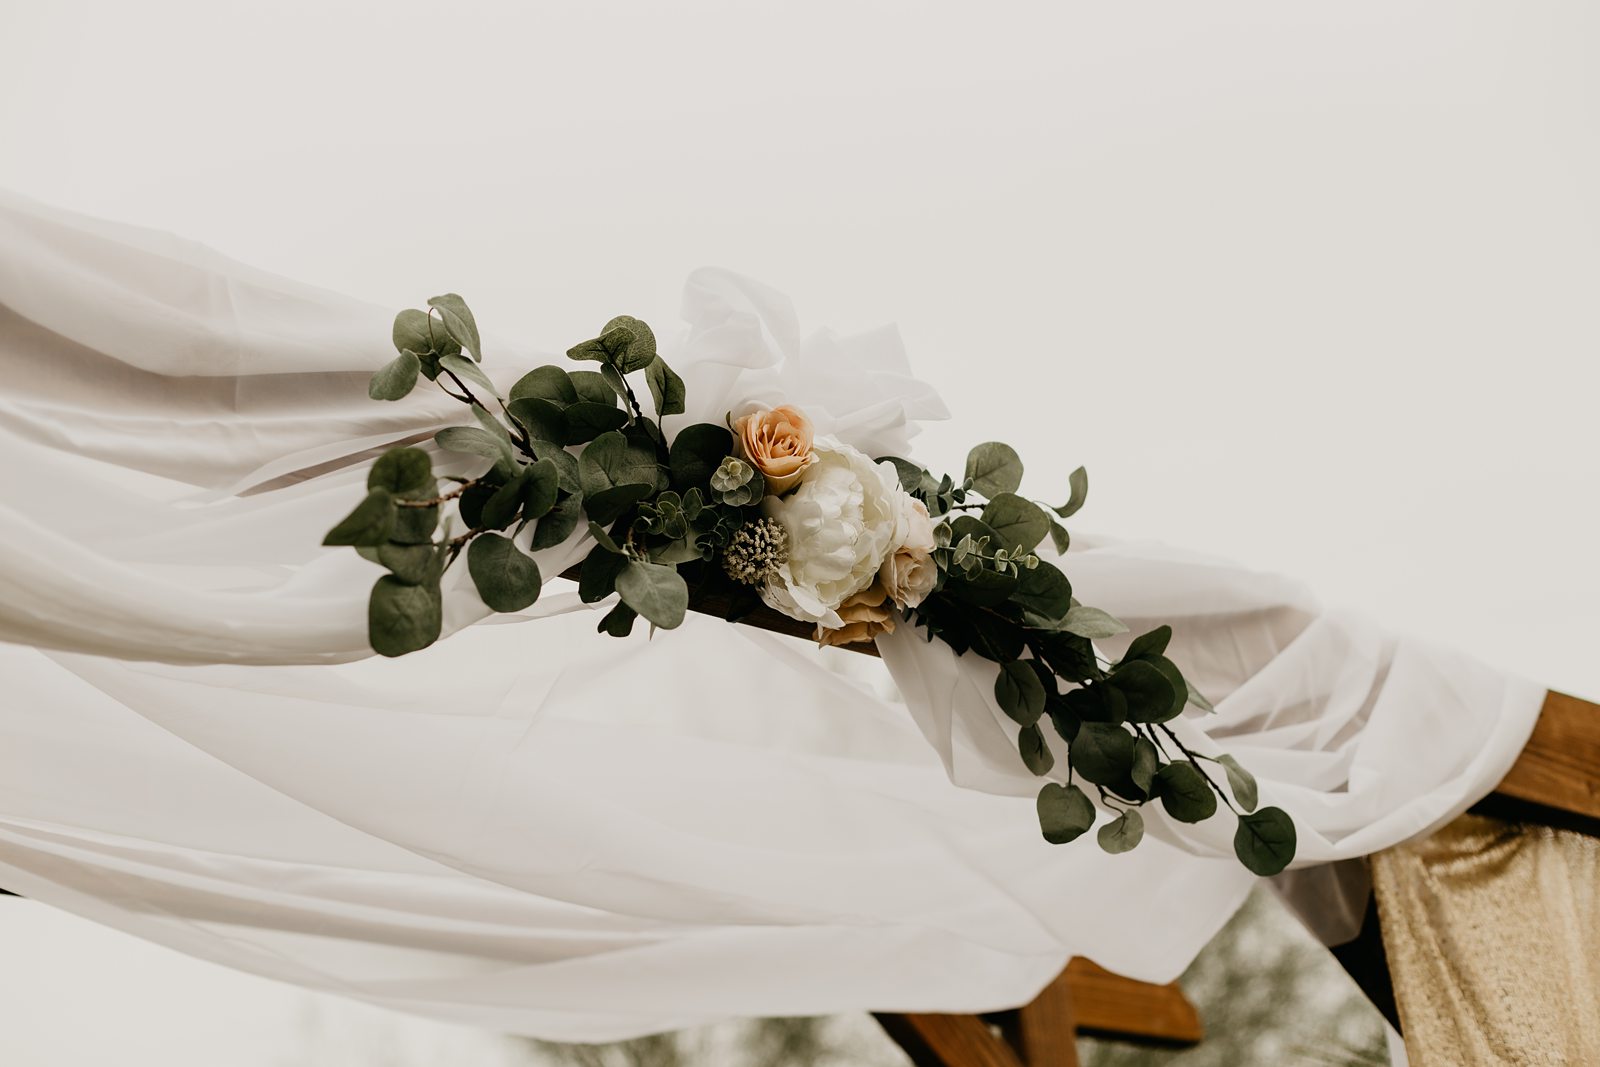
[
  {"x": 412, "y": 564},
  {"x": 1241, "y": 781},
  {"x": 1153, "y": 643},
  {"x": 1150, "y": 695},
  {"x": 666, "y": 388},
  {"x": 1065, "y": 812},
  {"x": 506, "y": 577},
  {"x": 411, "y": 332},
  {"x": 612, "y": 460},
  {"x": 587, "y": 420},
  {"x": 465, "y": 368},
  {"x": 1019, "y": 523},
  {"x": 395, "y": 379},
  {"x": 1265, "y": 841},
  {"x": 1036, "y": 754},
  {"x": 655, "y": 591},
  {"x": 1091, "y": 623},
  {"x": 640, "y": 348},
  {"x": 1146, "y": 762},
  {"x": 1123, "y": 833},
  {"x": 406, "y": 472},
  {"x": 1060, "y": 538},
  {"x": 1078, "y": 481},
  {"x": 1102, "y": 753},
  {"x": 540, "y": 491},
  {"x": 473, "y": 440},
  {"x": 369, "y": 524},
  {"x": 604, "y": 539},
  {"x": 591, "y": 386},
  {"x": 696, "y": 453},
  {"x": 549, "y": 382},
  {"x": 543, "y": 419},
  {"x": 403, "y": 618},
  {"x": 557, "y": 524},
  {"x": 1044, "y": 595},
  {"x": 1184, "y": 792},
  {"x": 1198, "y": 699},
  {"x": 501, "y": 509},
  {"x": 1019, "y": 693},
  {"x": 609, "y": 505},
  {"x": 618, "y": 622},
  {"x": 994, "y": 468},
  {"x": 458, "y": 321},
  {"x": 597, "y": 578}
]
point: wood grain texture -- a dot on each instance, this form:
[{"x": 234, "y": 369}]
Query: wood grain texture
[
  {"x": 1109, "y": 1005},
  {"x": 1560, "y": 765},
  {"x": 934, "y": 1040}
]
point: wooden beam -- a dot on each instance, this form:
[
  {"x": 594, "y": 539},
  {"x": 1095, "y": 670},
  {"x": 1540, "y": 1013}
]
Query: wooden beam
[
  {"x": 1560, "y": 765},
  {"x": 936, "y": 1040},
  {"x": 1109, "y": 1005}
]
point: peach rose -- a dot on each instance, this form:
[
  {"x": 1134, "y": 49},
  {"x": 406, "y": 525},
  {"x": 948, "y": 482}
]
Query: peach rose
[
  {"x": 909, "y": 574},
  {"x": 777, "y": 443},
  {"x": 866, "y": 615}
]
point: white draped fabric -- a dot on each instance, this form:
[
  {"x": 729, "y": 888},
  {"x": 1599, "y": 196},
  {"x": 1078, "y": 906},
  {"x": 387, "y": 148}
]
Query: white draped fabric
[{"x": 537, "y": 829}]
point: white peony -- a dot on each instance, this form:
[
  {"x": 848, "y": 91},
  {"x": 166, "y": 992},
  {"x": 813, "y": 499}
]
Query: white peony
[{"x": 843, "y": 520}]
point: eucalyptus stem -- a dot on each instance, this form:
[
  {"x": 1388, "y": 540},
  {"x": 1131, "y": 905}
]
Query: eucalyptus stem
[{"x": 1194, "y": 761}]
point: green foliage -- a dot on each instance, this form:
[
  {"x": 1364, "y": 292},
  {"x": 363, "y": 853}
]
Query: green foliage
[
  {"x": 1065, "y": 812},
  {"x": 574, "y": 448}
]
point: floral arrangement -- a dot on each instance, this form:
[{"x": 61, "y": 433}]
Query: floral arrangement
[{"x": 761, "y": 510}]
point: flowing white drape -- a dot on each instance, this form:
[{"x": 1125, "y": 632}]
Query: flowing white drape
[{"x": 534, "y": 828}]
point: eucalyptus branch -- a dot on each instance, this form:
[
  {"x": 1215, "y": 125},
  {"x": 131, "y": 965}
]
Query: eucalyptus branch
[
  {"x": 1194, "y": 761},
  {"x": 466, "y": 483}
]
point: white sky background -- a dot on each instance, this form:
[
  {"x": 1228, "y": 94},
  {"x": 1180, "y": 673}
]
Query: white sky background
[{"x": 1311, "y": 286}]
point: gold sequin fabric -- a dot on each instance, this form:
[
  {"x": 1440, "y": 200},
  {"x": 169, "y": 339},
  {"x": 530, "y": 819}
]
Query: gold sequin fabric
[{"x": 1493, "y": 936}]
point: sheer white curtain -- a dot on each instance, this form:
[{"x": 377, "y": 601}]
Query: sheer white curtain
[{"x": 535, "y": 828}]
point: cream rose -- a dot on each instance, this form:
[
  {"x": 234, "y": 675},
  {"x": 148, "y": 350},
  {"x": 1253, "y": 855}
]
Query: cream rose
[
  {"x": 842, "y": 520},
  {"x": 778, "y": 443},
  {"x": 908, "y": 575},
  {"x": 866, "y": 615}
]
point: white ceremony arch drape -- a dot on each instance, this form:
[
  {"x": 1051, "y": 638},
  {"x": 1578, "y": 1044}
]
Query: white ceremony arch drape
[{"x": 537, "y": 829}]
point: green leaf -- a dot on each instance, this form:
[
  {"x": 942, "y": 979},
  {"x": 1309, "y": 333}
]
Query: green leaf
[
  {"x": 1184, "y": 792},
  {"x": 501, "y": 508},
  {"x": 557, "y": 524},
  {"x": 546, "y": 383},
  {"x": 1060, "y": 538},
  {"x": 411, "y": 333},
  {"x": 539, "y": 494},
  {"x": 412, "y": 564},
  {"x": 1065, "y": 812},
  {"x": 543, "y": 419},
  {"x": 1149, "y": 693},
  {"x": 1043, "y": 594},
  {"x": 1174, "y": 677},
  {"x": 473, "y": 440},
  {"x": 406, "y": 472},
  {"x": 1098, "y": 702},
  {"x": 611, "y": 460},
  {"x": 1091, "y": 623},
  {"x": 1153, "y": 643},
  {"x": 1102, "y": 753},
  {"x": 1146, "y": 762},
  {"x": 566, "y": 463},
  {"x": 396, "y": 378},
  {"x": 914, "y": 479},
  {"x": 666, "y": 388},
  {"x": 1019, "y": 693},
  {"x": 403, "y": 618},
  {"x": 604, "y": 539},
  {"x": 985, "y": 589},
  {"x": 1123, "y": 833},
  {"x": 696, "y": 452},
  {"x": 655, "y": 591},
  {"x": 1036, "y": 755},
  {"x": 597, "y": 578},
  {"x": 587, "y": 420},
  {"x": 1265, "y": 841},
  {"x": 618, "y": 622},
  {"x": 462, "y": 367},
  {"x": 1198, "y": 699},
  {"x": 994, "y": 468},
  {"x": 639, "y": 350},
  {"x": 591, "y": 387},
  {"x": 1078, "y": 481},
  {"x": 507, "y": 578},
  {"x": 458, "y": 321},
  {"x": 414, "y": 526},
  {"x": 369, "y": 524},
  {"x": 1019, "y": 523},
  {"x": 609, "y": 505},
  {"x": 1241, "y": 781}
]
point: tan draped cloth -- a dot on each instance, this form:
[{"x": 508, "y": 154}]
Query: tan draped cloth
[{"x": 1493, "y": 936}]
